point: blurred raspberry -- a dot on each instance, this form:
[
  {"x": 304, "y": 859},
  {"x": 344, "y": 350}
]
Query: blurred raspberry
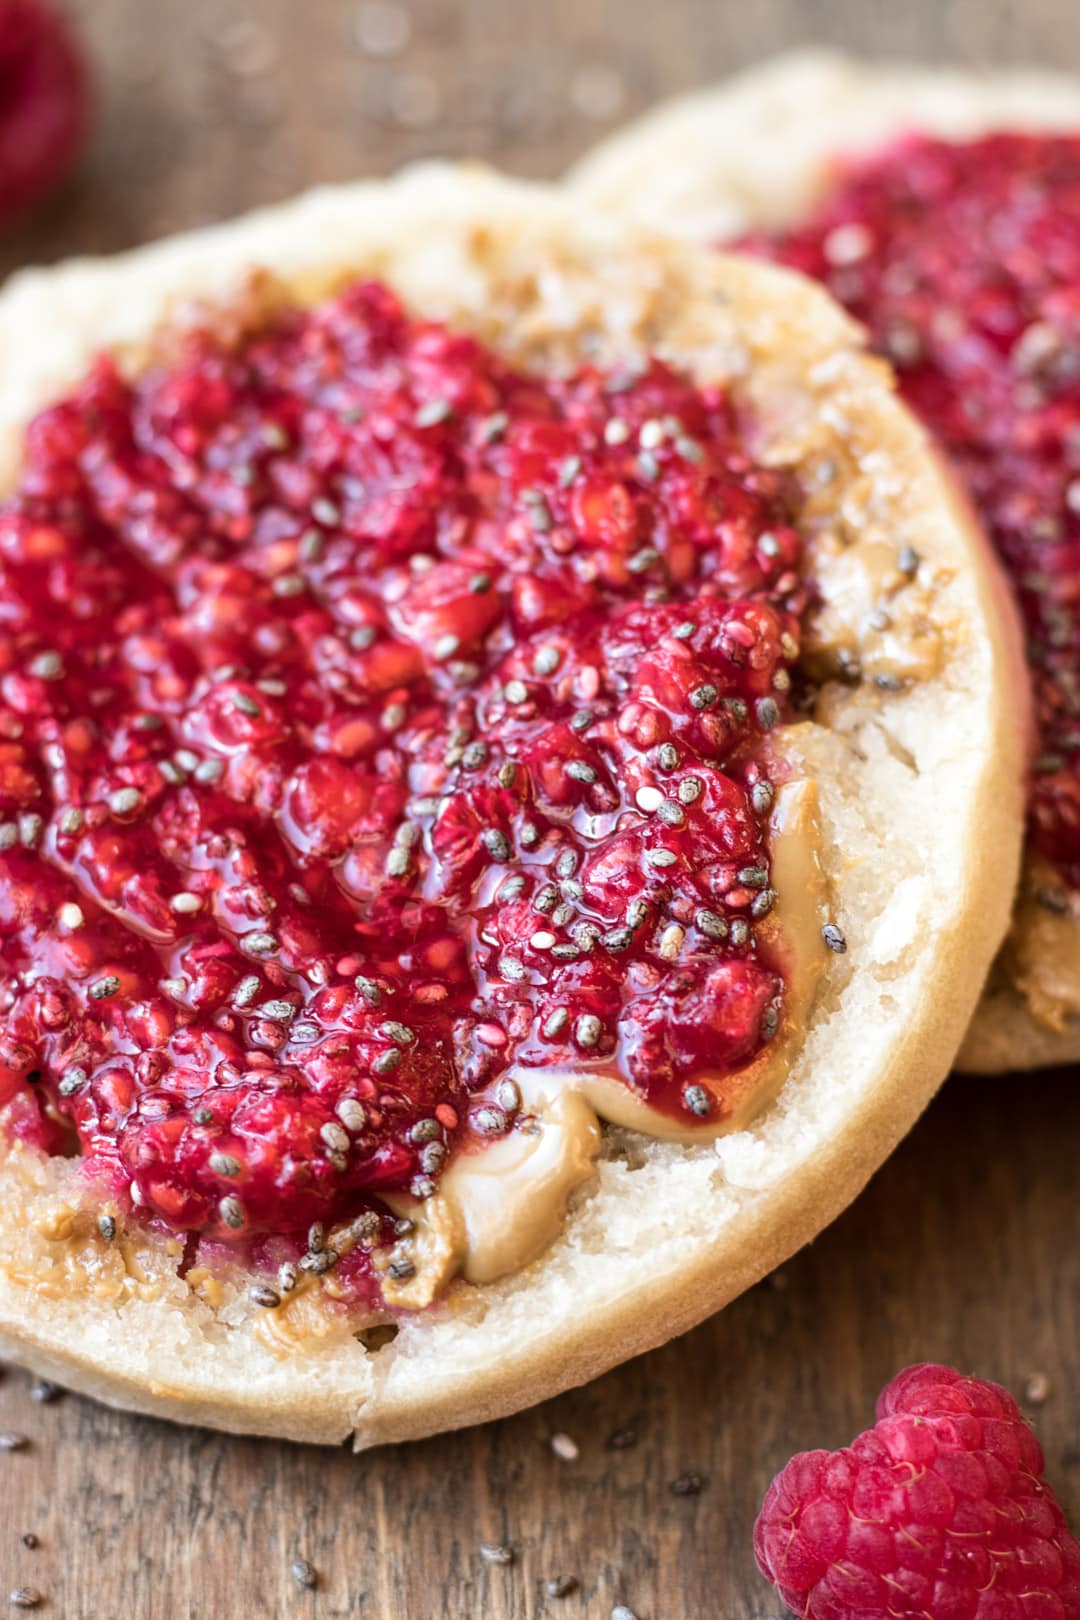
[
  {"x": 939, "y": 1512},
  {"x": 44, "y": 103}
]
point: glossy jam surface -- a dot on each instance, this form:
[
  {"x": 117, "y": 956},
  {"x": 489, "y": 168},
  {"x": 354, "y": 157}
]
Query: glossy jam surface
[
  {"x": 373, "y": 716},
  {"x": 964, "y": 262}
]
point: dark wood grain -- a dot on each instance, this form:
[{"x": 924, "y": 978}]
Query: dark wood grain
[{"x": 965, "y": 1246}]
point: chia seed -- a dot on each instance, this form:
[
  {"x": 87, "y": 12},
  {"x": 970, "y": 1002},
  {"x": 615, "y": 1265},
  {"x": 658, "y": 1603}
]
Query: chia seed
[
  {"x": 696, "y": 1099},
  {"x": 46, "y": 666},
  {"x": 690, "y": 789},
  {"x": 761, "y": 797},
  {"x": 351, "y": 1113},
  {"x": 304, "y": 1574},
  {"x": 335, "y": 1136},
  {"x": 490, "y": 1121},
  {"x": 834, "y": 939},
  {"x": 223, "y": 1164},
  {"x": 560, "y": 1586},
  {"x": 319, "y": 1262},
  {"x": 588, "y": 1030},
  {"x": 711, "y": 924},
  {"x": 547, "y": 660},
  {"x": 71, "y": 1081},
  {"x": 496, "y": 843},
  {"x": 768, "y": 713},
  {"x": 104, "y": 987},
  {"x": 232, "y": 1212},
  {"x": 703, "y": 697},
  {"x": 643, "y": 560},
  {"x": 556, "y": 1022},
  {"x": 30, "y": 830},
  {"x": 395, "y": 1031},
  {"x": 585, "y": 936},
  {"x": 637, "y": 912}
]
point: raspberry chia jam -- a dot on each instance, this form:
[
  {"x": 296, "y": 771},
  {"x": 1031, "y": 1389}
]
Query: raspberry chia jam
[
  {"x": 375, "y": 716},
  {"x": 963, "y": 260}
]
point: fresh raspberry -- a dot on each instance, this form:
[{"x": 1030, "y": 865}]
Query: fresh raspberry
[
  {"x": 44, "y": 103},
  {"x": 939, "y": 1512}
]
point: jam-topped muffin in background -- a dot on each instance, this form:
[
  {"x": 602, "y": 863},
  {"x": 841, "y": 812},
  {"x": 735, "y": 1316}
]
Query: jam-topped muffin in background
[
  {"x": 943, "y": 211},
  {"x": 474, "y": 892}
]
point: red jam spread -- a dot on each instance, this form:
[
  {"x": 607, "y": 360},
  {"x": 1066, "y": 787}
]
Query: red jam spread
[
  {"x": 374, "y": 715},
  {"x": 963, "y": 260}
]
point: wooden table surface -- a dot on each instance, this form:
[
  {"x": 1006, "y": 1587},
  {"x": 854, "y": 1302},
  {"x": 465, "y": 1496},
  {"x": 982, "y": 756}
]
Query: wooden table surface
[{"x": 963, "y": 1249}]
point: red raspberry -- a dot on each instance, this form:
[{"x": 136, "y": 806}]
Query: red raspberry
[
  {"x": 939, "y": 1512},
  {"x": 44, "y": 103}
]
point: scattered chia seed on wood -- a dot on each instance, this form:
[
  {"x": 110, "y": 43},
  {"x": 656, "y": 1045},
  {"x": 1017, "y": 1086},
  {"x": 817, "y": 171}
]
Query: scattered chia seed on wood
[
  {"x": 560, "y": 1586},
  {"x": 563, "y": 1446},
  {"x": 10, "y": 1441},
  {"x": 496, "y": 1552},
  {"x": 687, "y": 1484},
  {"x": 304, "y": 1574}
]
